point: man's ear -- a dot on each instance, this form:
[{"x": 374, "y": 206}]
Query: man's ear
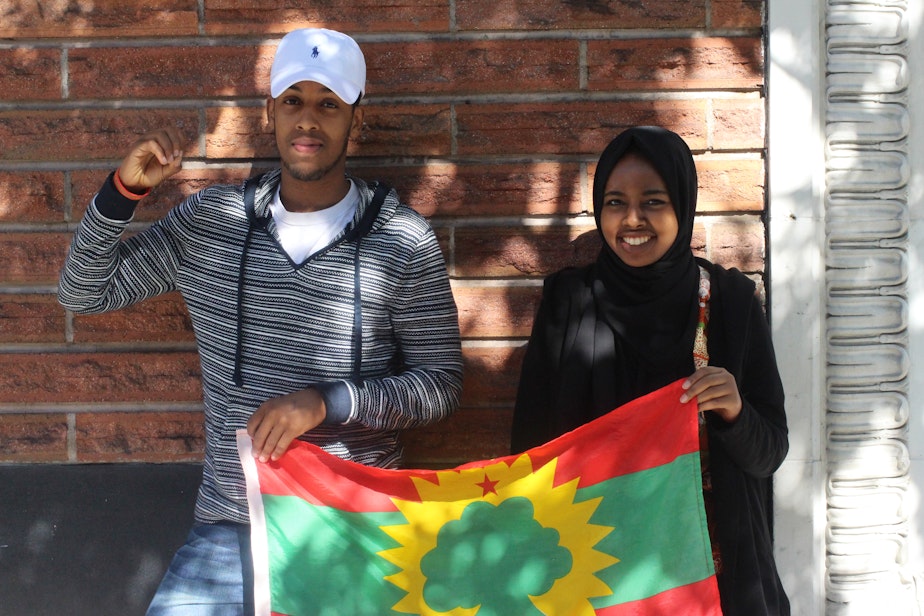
[
  {"x": 270, "y": 114},
  {"x": 356, "y": 127}
]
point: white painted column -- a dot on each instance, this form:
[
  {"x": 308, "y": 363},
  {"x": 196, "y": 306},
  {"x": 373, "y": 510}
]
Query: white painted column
[
  {"x": 797, "y": 303},
  {"x": 867, "y": 123},
  {"x": 847, "y": 300},
  {"x": 915, "y": 196}
]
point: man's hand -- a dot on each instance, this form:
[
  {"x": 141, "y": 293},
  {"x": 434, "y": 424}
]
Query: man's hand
[
  {"x": 153, "y": 158},
  {"x": 715, "y": 390},
  {"x": 280, "y": 420}
]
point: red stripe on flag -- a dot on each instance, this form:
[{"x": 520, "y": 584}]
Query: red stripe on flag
[
  {"x": 323, "y": 479},
  {"x": 649, "y": 423},
  {"x": 700, "y": 598}
]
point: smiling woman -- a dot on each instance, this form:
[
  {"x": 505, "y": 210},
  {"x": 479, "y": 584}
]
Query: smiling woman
[
  {"x": 648, "y": 313},
  {"x": 637, "y": 219}
]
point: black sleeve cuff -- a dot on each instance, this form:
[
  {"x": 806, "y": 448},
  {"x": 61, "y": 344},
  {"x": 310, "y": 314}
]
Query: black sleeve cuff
[
  {"x": 112, "y": 204},
  {"x": 337, "y": 400}
]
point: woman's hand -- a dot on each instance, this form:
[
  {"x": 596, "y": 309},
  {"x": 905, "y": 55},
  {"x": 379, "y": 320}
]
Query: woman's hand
[{"x": 715, "y": 390}]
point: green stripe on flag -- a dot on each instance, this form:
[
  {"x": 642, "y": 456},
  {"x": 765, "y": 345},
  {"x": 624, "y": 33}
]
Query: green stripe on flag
[
  {"x": 659, "y": 536},
  {"x": 322, "y": 561}
]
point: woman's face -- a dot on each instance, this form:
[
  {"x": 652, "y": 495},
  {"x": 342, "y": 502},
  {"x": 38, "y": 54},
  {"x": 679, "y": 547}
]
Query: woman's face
[{"x": 637, "y": 218}]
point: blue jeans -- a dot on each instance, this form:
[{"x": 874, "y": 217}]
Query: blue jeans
[{"x": 210, "y": 575}]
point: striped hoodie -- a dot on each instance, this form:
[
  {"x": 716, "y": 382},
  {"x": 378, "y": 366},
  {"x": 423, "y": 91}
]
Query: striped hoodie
[{"x": 369, "y": 321}]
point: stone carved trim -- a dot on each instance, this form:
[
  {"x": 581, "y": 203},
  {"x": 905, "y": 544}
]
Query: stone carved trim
[{"x": 867, "y": 219}]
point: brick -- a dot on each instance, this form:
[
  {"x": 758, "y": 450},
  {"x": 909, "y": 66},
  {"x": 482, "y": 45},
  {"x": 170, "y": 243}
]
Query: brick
[
  {"x": 30, "y": 318},
  {"x": 491, "y": 376},
  {"x": 405, "y": 130},
  {"x": 675, "y": 64},
  {"x": 523, "y": 251},
  {"x": 699, "y": 241},
  {"x": 496, "y": 312},
  {"x": 461, "y": 67},
  {"x": 63, "y": 378},
  {"x": 140, "y": 437},
  {"x": 169, "y": 72},
  {"x": 31, "y": 197},
  {"x": 32, "y": 258},
  {"x": 61, "y": 135},
  {"x": 468, "y": 435},
  {"x": 241, "y": 132},
  {"x": 85, "y": 184},
  {"x": 465, "y": 190},
  {"x": 358, "y": 17},
  {"x": 570, "y": 128},
  {"x": 735, "y": 185},
  {"x": 410, "y": 67},
  {"x": 36, "y": 19},
  {"x": 160, "y": 319},
  {"x": 738, "y": 242},
  {"x": 444, "y": 239},
  {"x": 738, "y": 124},
  {"x": 30, "y": 74},
  {"x": 33, "y": 438},
  {"x": 737, "y": 13},
  {"x": 552, "y": 15}
]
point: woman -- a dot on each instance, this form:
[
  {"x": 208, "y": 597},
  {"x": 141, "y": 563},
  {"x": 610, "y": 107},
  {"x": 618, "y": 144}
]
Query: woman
[{"x": 646, "y": 314}]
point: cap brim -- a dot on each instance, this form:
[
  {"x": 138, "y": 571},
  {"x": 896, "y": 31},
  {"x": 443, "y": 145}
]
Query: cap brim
[{"x": 347, "y": 92}]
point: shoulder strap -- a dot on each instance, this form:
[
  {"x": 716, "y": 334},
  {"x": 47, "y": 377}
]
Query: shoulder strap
[{"x": 700, "y": 346}]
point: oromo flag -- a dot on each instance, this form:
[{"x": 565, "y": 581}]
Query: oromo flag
[{"x": 607, "y": 519}]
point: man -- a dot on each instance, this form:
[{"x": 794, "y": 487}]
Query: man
[{"x": 321, "y": 306}]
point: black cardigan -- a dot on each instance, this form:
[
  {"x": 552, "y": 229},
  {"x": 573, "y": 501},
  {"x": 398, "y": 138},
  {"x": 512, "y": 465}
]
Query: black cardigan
[{"x": 743, "y": 455}]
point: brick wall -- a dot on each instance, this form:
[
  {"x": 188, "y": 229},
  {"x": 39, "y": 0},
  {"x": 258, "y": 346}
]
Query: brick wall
[{"x": 487, "y": 115}]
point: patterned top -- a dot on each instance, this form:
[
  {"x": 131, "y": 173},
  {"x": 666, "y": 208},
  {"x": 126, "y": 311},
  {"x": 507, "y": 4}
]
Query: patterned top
[
  {"x": 700, "y": 352},
  {"x": 288, "y": 326}
]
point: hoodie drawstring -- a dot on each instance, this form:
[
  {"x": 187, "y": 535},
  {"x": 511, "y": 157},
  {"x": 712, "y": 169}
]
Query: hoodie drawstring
[{"x": 250, "y": 191}]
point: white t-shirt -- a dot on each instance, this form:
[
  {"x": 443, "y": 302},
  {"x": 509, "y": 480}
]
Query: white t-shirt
[{"x": 304, "y": 233}]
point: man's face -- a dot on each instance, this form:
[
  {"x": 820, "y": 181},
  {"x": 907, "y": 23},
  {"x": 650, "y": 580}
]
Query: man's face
[{"x": 313, "y": 127}]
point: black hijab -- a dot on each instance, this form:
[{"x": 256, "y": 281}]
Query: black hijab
[{"x": 644, "y": 318}]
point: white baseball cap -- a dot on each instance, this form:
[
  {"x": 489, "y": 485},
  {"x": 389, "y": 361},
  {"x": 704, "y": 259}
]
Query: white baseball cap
[{"x": 330, "y": 58}]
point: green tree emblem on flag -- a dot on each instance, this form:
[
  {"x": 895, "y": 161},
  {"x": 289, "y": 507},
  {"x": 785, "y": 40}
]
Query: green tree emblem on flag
[
  {"x": 512, "y": 558},
  {"x": 497, "y": 540}
]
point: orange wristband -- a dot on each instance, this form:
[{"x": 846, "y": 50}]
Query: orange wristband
[{"x": 126, "y": 192}]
